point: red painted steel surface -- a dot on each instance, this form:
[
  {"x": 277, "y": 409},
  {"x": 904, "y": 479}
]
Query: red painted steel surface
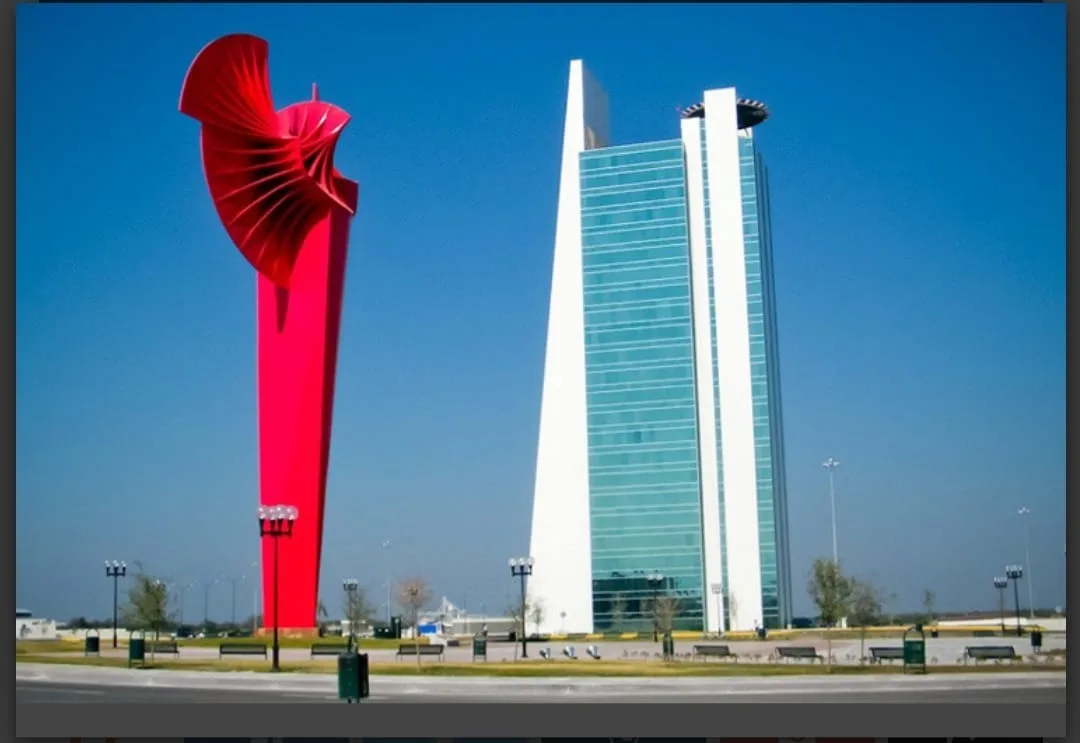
[{"x": 287, "y": 209}]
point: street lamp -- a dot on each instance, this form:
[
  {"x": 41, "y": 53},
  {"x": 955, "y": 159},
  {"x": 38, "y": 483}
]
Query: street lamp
[
  {"x": 655, "y": 580},
  {"x": 717, "y": 591},
  {"x": 116, "y": 571},
  {"x": 522, "y": 568},
  {"x": 207, "y": 585},
  {"x": 276, "y": 522},
  {"x": 1001, "y": 584},
  {"x": 1015, "y": 573},
  {"x": 1024, "y": 513},
  {"x": 389, "y": 603},
  {"x": 830, "y": 465},
  {"x": 234, "y": 580},
  {"x": 351, "y": 586}
]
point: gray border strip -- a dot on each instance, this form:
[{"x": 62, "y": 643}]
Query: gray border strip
[
  {"x": 540, "y": 720},
  {"x": 500, "y": 720}
]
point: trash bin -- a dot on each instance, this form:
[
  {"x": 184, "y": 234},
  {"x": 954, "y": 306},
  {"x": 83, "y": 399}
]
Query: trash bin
[
  {"x": 762, "y": 633},
  {"x": 479, "y": 647},
  {"x": 136, "y": 650},
  {"x": 668, "y": 646},
  {"x": 1036, "y": 639},
  {"x": 352, "y": 677},
  {"x": 93, "y": 644}
]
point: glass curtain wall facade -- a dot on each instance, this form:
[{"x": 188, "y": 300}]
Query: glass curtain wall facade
[{"x": 644, "y": 489}]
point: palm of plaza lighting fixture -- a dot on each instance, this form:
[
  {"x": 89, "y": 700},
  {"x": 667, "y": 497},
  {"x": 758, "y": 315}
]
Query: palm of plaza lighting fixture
[{"x": 287, "y": 209}]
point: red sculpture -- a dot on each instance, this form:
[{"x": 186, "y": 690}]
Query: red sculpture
[{"x": 272, "y": 179}]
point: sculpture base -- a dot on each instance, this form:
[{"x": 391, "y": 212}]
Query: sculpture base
[{"x": 289, "y": 632}]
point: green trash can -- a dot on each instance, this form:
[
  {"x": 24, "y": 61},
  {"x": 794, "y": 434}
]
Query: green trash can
[
  {"x": 479, "y": 647},
  {"x": 352, "y": 671},
  {"x": 914, "y": 644},
  {"x": 136, "y": 650},
  {"x": 668, "y": 646},
  {"x": 93, "y": 644}
]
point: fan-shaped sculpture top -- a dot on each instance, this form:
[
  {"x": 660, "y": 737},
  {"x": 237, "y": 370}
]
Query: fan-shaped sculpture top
[{"x": 270, "y": 173}]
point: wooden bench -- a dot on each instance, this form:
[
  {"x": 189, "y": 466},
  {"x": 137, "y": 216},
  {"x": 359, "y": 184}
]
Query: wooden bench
[
  {"x": 241, "y": 648},
  {"x": 714, "y": 651},
  {"x": 799, "y": 653},
  {"x": 327, "y": 648},
  {"x": 163, "y": 647},
  {"x": 415, "y": 650},
  {"x": 990, "y": 652},
  {"x": 879, "y": 654}
]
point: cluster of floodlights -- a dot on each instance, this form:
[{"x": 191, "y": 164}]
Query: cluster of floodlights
[{"x": 1013, "y": 573}]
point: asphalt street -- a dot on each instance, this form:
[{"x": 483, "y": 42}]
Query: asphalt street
[{"x": 36, "y": 691}]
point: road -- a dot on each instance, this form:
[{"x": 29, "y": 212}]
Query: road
[{"x": 775, "y": 691}]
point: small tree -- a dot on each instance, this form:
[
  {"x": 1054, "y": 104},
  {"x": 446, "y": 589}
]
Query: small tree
[
  {"x": 866, "y": 609},
  {"x": 732, "y": 608},
  {"x": 357, "y": 609},
  {"x": 520, "y": 615},
  {"x": 665, "y": 612},
  {"x": 147, "y": 608},
  {"x": 618, "y": 612},
  {"x": 928, "y": 601},
  {"x": 831, "y": 592},
  {"x": 537, "y": 613},
  {"x": 414, "y": 595}
]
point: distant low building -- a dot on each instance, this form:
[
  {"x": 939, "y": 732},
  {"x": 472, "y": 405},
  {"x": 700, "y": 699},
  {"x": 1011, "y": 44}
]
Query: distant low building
[{"x": 27, "y": 627}]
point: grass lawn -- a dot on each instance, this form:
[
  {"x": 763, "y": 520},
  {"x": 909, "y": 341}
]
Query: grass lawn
[{"x": 407, "y": 667}]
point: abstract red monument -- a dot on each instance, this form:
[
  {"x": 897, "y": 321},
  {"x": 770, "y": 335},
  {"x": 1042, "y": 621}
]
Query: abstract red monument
[{"x": 272, "y": 179}]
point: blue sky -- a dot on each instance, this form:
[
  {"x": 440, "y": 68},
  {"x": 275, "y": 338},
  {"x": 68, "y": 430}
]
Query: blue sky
[{"x": 916, "y": 158}]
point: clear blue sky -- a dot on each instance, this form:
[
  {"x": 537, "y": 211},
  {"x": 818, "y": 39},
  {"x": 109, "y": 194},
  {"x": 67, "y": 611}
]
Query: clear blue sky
[{"x": 916, "y": 157}]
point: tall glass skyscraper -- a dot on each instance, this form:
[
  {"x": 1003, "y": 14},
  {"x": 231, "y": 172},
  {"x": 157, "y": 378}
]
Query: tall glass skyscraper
[{"x": 660, "y": 466}]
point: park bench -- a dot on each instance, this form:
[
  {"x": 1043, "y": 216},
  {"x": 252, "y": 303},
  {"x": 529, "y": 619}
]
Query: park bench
[
  {"x": 163, "y": 647},
  {"x": 879, "y": 654},
  {"x": 241, "y": 648},
  {"x": 990, "y": 652},
  {"x": 327, "y": 648},
  {"x": 415, "y": 650},
  {"x": 799, "y": 653},
  {"x": 984, "y": 633},
  {"x": 713, "y": 651}
]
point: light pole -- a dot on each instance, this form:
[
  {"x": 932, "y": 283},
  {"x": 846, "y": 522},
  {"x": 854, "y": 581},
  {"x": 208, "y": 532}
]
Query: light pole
[
  {"x": 1001, "y": 584},
  {"x": 655, "y": 580},
  {"x": 389, "y": 604},
  {"x": 234, "y": 581},
  {"x": 255, "y": 599},
  {"x": 116, "y": 571},
  {"x": 1015, "y": 573},
  {"x": 717, "y": 590},
  {"x": 351, "y": 586},
  {"x": 276, "y": 522},
  {"x": 522, "y": 568},
  {"x": 207, "y": 585},
  {"x": 830, "y": 466},
  {"x": 181, "y": 590},
  {"x": 1024, "y": 513}
]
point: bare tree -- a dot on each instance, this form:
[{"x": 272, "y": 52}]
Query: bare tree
[
  {"x": 537, "y": 613},
  {"x": 357, "y": 609},
  {"x": 414, "y": 595},
  {"x": 666, "y": 610},
  {"x": 831, "y": 592},
  {"x": 928, "y": 601},
  {"x": 618, "y": 612},
  {"x": 866, "y": 609},
  {"x": 520, "y": 615}
]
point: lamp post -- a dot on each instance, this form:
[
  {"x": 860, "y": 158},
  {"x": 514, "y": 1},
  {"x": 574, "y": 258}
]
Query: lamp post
[
  {"x": 1015, "y": 573},
  {"x": 207, "y": 585},
  {"x": 1001, "y": 584},
  {"x": 276, "y": 522},
  {"x": 830, "y": 466},
  {"x": 1024, "y": 513},
  {"x": 234, "y": 580},
  {"x": 255, "y": 599},
  {"x": 351, "y": 586},
  {"x": 522, "y": 568},
  {"x": 181, "y": 590},
  {"x": 389, "y": 603},
  {"x": 717, "y": 590},
  {"x": 655, "y": 580},
  {"x": 116, "y": 571}
]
